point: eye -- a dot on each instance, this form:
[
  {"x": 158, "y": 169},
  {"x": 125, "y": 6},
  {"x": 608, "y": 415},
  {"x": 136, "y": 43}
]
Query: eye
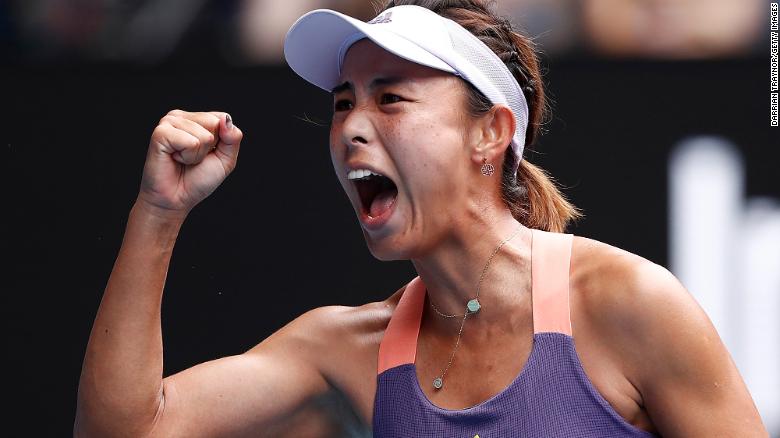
[
  {"x": 390, "y": 98},
  {"x": 342, "y": 105}
]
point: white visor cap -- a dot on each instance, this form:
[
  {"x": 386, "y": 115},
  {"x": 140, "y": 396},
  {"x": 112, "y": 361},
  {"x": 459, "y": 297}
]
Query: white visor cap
[{"x": 316, "y": 44}]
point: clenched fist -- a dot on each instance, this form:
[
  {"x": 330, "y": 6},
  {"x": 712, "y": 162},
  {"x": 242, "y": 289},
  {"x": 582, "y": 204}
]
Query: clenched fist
[{"x": 189, "y": 156}]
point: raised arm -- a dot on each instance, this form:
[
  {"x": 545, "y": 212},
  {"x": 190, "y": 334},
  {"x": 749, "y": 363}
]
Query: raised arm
[{"x": 122, "y": 391}]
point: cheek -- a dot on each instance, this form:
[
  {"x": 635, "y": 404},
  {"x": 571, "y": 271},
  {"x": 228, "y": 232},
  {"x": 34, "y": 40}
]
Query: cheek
[
  {"x": 427, "y": 147},
  {"x": 435, "y": 138},
  {"x": 334, "y": 132},
  {"x": 335, "y": 143},
  {"x": 336, "y": 149}
]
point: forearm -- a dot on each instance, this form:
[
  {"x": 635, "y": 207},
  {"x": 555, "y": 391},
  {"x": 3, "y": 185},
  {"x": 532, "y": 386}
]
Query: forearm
[{"x": 121, "y": 381}]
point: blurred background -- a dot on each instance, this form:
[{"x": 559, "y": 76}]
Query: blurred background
[{"x": 660, "y": 133}]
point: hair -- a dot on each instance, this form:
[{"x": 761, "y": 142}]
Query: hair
[{"x": 531, "y": 194}]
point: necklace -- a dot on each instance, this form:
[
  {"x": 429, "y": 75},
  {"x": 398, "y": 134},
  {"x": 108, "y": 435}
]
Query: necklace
[{"x": 472, "y": 307}]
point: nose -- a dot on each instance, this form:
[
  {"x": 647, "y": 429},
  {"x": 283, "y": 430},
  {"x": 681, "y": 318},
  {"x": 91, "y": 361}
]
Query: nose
[
  {"x": 358, "y": 139},
  {"x": 357, "y": 128}
]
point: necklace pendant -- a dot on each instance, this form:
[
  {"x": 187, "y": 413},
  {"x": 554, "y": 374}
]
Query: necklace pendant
[
  {"x": 438, "y": 383},
  {"x": 473, "y": 306}
]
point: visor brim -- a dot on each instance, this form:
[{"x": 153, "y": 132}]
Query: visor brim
[{"x": 317, "y": 42}]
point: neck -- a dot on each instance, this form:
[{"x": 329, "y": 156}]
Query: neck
[{"x": 451, "y": 272}]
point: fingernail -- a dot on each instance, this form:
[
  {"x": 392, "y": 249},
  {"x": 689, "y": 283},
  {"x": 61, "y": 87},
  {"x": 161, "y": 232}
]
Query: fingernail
[{"x": 228, "y": 121}]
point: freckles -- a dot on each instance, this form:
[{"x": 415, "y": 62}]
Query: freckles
[{"x": 395, "y": 127}]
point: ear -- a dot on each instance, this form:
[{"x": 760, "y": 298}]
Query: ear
[{"x": 496, "y": 129}]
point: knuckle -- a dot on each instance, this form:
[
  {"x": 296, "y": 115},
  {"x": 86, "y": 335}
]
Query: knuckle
[
  {"x": 166, "y": 119},
  {"x": 176, "y": 113},
  {"x": 159, "y": 131}
]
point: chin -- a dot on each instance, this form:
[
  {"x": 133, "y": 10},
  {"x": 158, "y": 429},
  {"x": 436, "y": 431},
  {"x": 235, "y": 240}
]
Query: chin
[{"x": 385, "y": 249}]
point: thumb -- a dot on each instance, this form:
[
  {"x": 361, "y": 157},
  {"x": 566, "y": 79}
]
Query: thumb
[{"x": 229, "y": 141}]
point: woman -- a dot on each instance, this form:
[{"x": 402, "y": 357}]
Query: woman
[{"x": 428, "y": 130}]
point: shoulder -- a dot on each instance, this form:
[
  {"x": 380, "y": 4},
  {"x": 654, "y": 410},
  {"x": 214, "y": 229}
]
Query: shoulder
[
  {"x": 329, "y": 332},
  {"x": 667, "y": 345},
  {"x": 642, "y": 308},
  {"x": 624, "y": 290},
  {"x": 637, "y": 303},
  {"x": 346, "y": 320},
  {"x": 342, "y": 342}
]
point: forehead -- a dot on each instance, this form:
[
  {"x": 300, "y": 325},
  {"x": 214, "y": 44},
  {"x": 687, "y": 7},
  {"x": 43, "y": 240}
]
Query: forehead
[{"x": 365, "y": 60}]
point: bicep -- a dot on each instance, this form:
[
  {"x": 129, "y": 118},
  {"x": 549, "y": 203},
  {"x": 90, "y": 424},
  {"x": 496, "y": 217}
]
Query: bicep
[
  {"x": 243, "y": 394},
  {"x": 689, "y": 382}
]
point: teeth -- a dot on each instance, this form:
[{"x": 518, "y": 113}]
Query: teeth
[{"x": 360, "y": 173}]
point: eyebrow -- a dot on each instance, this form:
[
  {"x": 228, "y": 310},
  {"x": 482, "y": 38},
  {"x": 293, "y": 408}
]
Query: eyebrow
[{"x": 378, "y": 82}]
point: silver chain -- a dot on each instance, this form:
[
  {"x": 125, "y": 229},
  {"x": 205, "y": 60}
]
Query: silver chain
[{"x": 438, "y": 382}]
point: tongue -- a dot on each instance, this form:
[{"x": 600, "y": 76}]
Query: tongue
[{"x": 382, "y": 202}]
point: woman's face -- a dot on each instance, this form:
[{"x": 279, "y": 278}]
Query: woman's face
[{"x": 407, "y": 122}]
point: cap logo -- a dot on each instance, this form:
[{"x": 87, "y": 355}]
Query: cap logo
[{"x": 384, "y": 18}]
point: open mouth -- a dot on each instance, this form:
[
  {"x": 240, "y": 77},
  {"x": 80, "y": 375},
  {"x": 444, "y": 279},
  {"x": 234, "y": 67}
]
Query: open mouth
[{"x": 377, "y": 194}]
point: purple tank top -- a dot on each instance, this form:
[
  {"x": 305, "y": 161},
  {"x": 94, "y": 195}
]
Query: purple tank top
[{"x": 550, "y": 397}]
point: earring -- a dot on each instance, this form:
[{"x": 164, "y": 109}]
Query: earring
[{"x": 487, "y": 168}]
